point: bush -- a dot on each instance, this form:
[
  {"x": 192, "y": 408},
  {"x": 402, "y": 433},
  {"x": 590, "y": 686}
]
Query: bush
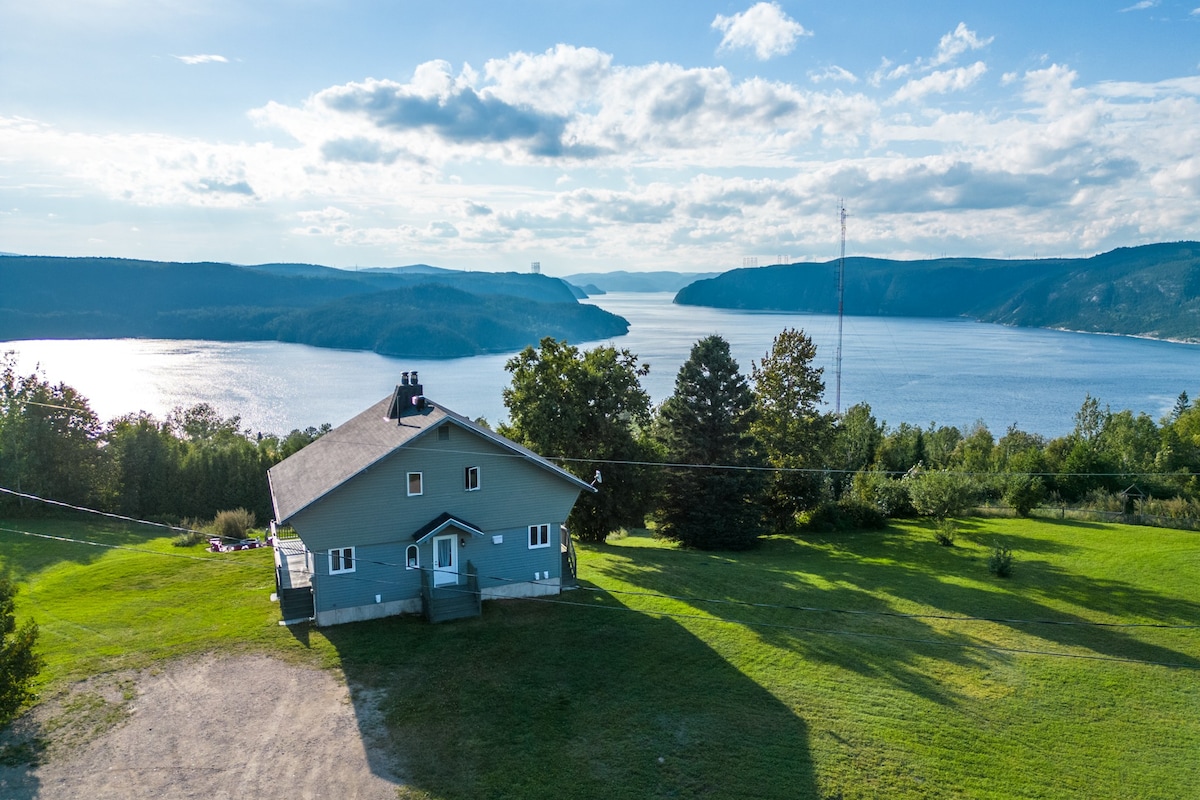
[
  {"x": 1000, "y": 562},
  {"x": 233, "y": 524},
  {"x": 946, "y": 532},
  {"x": 889, "y": 495},
  {"x": 190, "y": 538},
  {"x": 1024, "y": 493},
  {"x": 846, "y": 514}
]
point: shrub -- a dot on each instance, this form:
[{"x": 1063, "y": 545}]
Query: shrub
[
  {"x": 946, "y": 532},
  {"x": 845, "y": 515},
  {"x": 1000, "y": 562},
  {"x": 233, "y": 524},
  {"x": 889, "y": 495},
  {"x": 940, "y": 493},
  {"x": 190, "y": 538},
  {"x": 1024, "y": 493}
]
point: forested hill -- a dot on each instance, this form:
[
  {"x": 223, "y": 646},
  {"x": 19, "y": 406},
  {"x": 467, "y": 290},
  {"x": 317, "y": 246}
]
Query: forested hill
[
  {"x": 419, "y": 313},
  {"x": 1152, "y": 290}
]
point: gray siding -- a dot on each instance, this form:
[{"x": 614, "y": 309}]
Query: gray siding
[{"x": 374, "y": 514}]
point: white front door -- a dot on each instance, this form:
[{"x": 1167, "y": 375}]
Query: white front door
[{"x": 445, "y": 560}]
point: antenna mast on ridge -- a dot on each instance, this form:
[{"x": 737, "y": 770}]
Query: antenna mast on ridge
[{"x": 841, "y": 298}]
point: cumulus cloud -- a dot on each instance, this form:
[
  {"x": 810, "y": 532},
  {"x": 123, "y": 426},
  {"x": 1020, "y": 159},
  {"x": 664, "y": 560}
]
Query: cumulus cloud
[
  {"x": 203, "y": 59},
  {"x": 763, "y": 28},
  {"x": 834, "y": 73},
  {"x": 671, "y": 164},
  {"x": 940, "y": 82},
  {"x": 957, "y": 42},
  {"x": 952, "y": 45}
]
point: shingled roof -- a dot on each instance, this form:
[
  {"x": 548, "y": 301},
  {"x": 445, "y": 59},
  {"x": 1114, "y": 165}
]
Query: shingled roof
[{"x": 305, "y": 477}]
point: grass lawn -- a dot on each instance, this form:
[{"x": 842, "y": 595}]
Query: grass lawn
[{"x": 618, "y": 690}]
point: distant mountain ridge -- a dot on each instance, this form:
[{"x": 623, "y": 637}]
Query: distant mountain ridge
[
  {"x": 426, "y": 313},
  {"x": 622, "y": 281},
  {"x": 1150, "y": 290}
]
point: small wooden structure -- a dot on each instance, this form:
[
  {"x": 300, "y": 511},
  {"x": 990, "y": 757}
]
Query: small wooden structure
[{"x": 1131, "y": 497}]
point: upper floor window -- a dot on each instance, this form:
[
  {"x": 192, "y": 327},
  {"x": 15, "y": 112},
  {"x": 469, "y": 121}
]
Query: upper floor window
[
  {"x": 539, "y": 536},
  {"x": 341, "y": 559},
  {"x": 471, "y": 480},
  {"x": 415, "y": 484},
  {"x": 444, "y": 433}
]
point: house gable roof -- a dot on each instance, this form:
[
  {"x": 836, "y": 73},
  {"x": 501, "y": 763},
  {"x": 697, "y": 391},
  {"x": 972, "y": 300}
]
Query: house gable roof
[
  {"x": 442, "y": 522},
  {"x": 310, "y": 474}
]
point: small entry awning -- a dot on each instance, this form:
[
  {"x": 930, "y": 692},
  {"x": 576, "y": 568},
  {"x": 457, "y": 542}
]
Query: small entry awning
[{"x": 440, "y": 523}]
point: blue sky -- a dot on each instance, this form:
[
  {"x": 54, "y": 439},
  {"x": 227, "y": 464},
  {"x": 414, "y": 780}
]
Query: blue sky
[{"x": 595, "y": 135}]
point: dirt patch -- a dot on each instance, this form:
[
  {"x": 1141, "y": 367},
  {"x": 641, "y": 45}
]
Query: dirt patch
[{"x": 217, "y": 728}]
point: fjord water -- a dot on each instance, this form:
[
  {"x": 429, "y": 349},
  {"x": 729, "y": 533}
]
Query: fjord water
[{"x": 949, "y": 371}]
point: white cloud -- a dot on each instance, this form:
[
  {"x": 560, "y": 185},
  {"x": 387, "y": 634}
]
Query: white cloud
[
  {"x": 203, "y": 59},
  {"x": 465, "y": 166},
  {"x": 957, "y": 42},
  {"x": 1141, "y": 6},
  {"x": 940, "y": 82},
  {"x": 834, "y": 73},
  {"x": 763, "y": 28}
]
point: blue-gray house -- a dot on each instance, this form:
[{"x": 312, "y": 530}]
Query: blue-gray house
[{"x": 411, "y": 508}]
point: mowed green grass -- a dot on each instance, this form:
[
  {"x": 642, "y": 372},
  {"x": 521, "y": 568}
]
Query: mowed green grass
[{"x": 784, "y": 688}]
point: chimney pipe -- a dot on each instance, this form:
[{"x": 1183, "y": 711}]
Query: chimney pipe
[
  {"x": 404, "y": 379},
  {"x": 414, "y": 378}
]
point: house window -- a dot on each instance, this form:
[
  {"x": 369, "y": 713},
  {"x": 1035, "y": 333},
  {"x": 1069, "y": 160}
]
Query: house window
[
  {"x": 341, "y": 559},
  {"x": 444, "y": 433},
  {"x": 471, "y": 482},
  {"x": 539, "y": 536},
  {"x": 412, "y": 557},
  {"x": 414, "y": 484}
]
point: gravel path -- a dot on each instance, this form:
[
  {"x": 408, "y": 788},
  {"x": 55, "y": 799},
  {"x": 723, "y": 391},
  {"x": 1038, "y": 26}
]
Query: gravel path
[{"x": 223, "y": 728}]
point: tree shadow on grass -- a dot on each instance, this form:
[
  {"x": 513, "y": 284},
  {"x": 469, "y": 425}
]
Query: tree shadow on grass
[
  {"x": 923, "y": 572},
  {"x": 867, "y": 573},
  {"x": 31, "y": 544},
  {"x": 575, "y": 697}
]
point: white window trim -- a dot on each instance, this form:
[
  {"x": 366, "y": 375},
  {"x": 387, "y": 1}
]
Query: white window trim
[
  {"x": 467, "y": 479},
  {"x": 341, "y": 559},
  {"x": 542, "y": 532},
  {"x": 412, "y": 565},
  {"x": 408, "y": 484}
]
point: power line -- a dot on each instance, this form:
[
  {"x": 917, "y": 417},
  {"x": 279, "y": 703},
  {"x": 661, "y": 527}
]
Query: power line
[{"x": 110, "y": 515}]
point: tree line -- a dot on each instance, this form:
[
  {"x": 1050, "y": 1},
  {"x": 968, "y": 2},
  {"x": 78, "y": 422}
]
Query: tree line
[
  {"x": 728, "y": 457},
  {"x": 192, "y": 464}
]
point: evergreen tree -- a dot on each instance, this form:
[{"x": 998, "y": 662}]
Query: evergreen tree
[
  {"x": 705, "y": 424},
  {"x": 584, "y": 406},
  {"x": 789, "y": 424},
  {"x": 19, "y": 664}
]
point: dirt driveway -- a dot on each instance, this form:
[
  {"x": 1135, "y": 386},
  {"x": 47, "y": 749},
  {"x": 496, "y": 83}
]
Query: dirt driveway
[{"x": 218, "y": 728}]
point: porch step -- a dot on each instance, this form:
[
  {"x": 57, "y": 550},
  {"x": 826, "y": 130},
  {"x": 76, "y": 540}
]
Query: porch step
[
  {"x": 448, "y": 604},
  {"x": 295, "y": 603}
]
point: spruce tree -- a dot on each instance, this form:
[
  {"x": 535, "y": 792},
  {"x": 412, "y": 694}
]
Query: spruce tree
[{"x": 709, "y": 502}]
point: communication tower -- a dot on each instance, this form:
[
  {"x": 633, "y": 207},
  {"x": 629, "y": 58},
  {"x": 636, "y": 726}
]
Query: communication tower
[
  {"x": 535, "y": 267},
  {"x": 841, "y": 304}
]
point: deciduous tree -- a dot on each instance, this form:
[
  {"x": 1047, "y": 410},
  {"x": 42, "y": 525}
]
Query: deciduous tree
[{"x": 588, "y": 407}]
